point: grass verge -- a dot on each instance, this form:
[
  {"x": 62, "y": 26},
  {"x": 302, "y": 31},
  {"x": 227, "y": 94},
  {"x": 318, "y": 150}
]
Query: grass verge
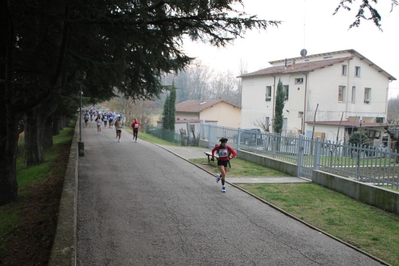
[
  {"x": 241, "y": 168},
  {"x": 27, "y": 227},
  {"x": 150, "y": 138}
]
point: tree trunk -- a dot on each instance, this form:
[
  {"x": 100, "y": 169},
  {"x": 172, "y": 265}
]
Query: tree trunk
[
  {"x": 56, "y": 126},
  {"x": 8, "y": 157},
  {"x": 34, "y": 135},
  {"x": 10, "y": 119},
  {"x": 48, "y": 133}
]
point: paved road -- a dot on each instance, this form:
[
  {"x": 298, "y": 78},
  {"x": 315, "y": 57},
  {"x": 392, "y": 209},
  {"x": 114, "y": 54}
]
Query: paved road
[{"x": 139, "y": 204}]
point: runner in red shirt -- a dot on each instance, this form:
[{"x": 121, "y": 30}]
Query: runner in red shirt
[
  {"x": 135, "y": 125},
  {"x": 225, "y": 154}
]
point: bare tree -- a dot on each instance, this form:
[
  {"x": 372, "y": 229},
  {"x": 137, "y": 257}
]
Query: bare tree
[
  {"x": 264, "y": 124},
  {"x": 393, "y": 110},
  {"x": 225, "y": 86},
  {"x": 199, "y": 82},
  {"x": 143, "y": 110}
]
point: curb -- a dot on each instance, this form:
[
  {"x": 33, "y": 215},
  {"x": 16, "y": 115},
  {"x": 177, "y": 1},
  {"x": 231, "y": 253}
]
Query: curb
[{"x": 63, "y": 251}]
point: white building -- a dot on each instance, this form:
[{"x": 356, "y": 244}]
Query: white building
[{"x": 327, "y": 94}]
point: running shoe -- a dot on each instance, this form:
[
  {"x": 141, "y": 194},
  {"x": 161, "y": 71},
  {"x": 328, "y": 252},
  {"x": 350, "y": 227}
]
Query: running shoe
[
  {"x": 217, "y": 178},
  {"x": 224, "y": 189}
]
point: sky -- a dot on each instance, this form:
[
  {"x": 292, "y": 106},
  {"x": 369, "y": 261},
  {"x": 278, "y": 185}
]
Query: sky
[{"x": 310, "y": 25}]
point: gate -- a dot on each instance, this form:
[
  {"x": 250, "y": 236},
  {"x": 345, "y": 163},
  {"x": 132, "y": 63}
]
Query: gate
[{"x": 305, "y": 157}]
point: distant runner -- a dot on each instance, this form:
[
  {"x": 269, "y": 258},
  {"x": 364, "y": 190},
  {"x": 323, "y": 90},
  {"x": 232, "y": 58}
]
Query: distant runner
[
  {"x": 135, "y": 125},
  {"x": 118, "y": 126}
]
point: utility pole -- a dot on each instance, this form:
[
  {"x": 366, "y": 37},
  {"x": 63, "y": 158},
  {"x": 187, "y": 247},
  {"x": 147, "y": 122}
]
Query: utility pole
[{"x": 314, "y": 122}]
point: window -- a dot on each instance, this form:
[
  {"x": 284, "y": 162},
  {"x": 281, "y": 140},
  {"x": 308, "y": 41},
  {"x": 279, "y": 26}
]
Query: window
[
  {"x": 286, "y": 92},
  {"x": 379, "y": 120},
  {"x": 298, "y": 80},
  {"x": 268, "y": 93},
  {"x": 341, "y": 93},
  {"x": 353, "y": 100},
  {"x": 343, "y": 70},
  {"x": 357, "y": 71},
  {"x": 367, "y": 94}
]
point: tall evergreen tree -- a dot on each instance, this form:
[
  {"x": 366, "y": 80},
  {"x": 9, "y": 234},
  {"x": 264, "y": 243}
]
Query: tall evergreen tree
[
  {"x": 165, "y": 114},
  {"x": 278, "y": 110},
  {"x": 169, "y": 109},
  {"x": 172, "y": 107}
]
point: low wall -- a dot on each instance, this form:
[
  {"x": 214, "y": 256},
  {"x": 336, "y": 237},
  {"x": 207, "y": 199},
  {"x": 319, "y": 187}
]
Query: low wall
[
  {"x": 203, "y": 143},
  {"x": 282, "y": 166},
  {"x": 379, "y": 197},
  {"x": 63, "y": 252},
  {"x": 376, "y": 196}
]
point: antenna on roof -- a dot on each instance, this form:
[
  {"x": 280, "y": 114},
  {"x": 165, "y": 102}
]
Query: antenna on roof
[{"x": 303, "y": 51}]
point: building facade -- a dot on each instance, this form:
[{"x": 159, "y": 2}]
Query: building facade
[
  {"x": 222, "y": 112},
  {"x": 327, "y": 95}
]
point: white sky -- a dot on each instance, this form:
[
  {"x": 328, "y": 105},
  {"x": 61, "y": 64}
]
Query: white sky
[{"x": 307, "y": 24}]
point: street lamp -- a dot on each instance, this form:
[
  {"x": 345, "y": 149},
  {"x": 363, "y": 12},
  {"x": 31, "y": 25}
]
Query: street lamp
[
  {"x": 80, "y": 117},
  {"x": 81, "y": 147}
]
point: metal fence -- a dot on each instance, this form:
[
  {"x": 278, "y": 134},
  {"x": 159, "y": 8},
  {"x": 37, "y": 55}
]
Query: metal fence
[
  {"x": 374, "y": 165},
  {"x": 170, "y": 136}
]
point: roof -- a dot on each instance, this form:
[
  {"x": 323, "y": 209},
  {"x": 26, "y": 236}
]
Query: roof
[
  {"x": 197, "y": 106},
  {"x": 300, "y": 67},
  {"x": 347, "y": 123},
  {"x": 192, "y": 121},
  {"x": 309, "y": 66}
]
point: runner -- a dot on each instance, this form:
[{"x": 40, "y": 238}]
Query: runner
[
  {"x": 118, "y": 126},
  {"x": 225, "y": 154},
  {"x": 86, "y": 118},
  {"x": 99, "y": 123},
  {"x": 105, "y": 120},
  {"x": 135, "y": 125},
  {"x": 110, "y": 119}
]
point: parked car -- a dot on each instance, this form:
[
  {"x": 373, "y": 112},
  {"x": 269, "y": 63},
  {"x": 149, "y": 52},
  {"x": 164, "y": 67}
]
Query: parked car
[{"x": 249, "y": 137}]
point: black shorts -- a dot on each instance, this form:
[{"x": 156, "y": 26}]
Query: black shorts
[
  {"x": 224, "y": 163},
  {"x": 117, "y": 131}
]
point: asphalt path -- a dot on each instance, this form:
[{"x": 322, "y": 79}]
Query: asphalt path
[{"x": 139, "y": 204}]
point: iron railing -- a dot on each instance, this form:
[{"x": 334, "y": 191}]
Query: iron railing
[{"x": 374, "y": 165}]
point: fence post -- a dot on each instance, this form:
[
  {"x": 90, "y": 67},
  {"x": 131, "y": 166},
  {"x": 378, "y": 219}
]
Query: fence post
[
  {"x": 209, "y": 135},
  {"x": 274, "y": 145},
  {"x": 238, "y": 138},
  {"x": 201, "y": 136},
  {"x": 300, "y": 155},
  {"x": 317, "y": 153}
]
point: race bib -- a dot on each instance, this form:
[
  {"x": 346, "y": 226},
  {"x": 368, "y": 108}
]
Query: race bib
[{"x": 223, "y": 152}]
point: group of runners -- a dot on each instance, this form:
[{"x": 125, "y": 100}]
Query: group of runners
[
  {"x": 111, "y": 119},
  {"x": 224, "y": 152}
]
